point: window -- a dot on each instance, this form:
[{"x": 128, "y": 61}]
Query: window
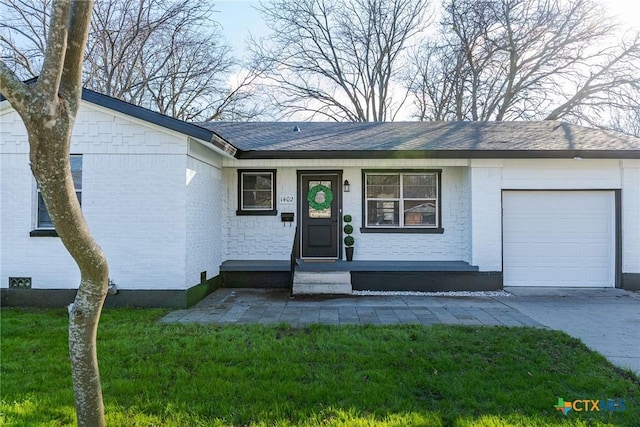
[
  {"x": 407, "y": 200},
  {"x": 256, "y": 192},
  {"x": 43, "y": 220}
]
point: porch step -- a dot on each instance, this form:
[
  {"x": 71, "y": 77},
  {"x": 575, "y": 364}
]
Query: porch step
[{"x": 321, "y": 282}]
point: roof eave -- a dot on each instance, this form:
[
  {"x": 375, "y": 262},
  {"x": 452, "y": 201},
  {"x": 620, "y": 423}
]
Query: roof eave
[{"x": 439, "y": 154}]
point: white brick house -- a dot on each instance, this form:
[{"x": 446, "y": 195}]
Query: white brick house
[{"x": 513, "y": 204}]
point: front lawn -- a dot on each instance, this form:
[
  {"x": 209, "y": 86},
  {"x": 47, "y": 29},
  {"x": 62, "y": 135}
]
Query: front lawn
[{"x": 208, "y": 375}]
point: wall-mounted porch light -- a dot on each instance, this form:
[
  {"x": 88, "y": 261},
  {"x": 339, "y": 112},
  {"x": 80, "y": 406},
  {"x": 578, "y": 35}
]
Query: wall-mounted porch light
[{"x": 346, "y": 186}]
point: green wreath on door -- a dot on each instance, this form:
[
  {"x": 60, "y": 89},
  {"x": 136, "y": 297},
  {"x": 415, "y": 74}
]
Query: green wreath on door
[{"x": 313, "y": 193}]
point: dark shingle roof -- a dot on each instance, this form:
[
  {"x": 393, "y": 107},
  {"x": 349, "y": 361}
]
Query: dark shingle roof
[{"x": 544, "y": 139}]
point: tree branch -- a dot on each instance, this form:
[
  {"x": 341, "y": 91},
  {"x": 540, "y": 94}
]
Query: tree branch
[
  {"x": 51, "y": 74},
  {"x": 13, "y": 88},
  {"x": 74, "y": 55}
]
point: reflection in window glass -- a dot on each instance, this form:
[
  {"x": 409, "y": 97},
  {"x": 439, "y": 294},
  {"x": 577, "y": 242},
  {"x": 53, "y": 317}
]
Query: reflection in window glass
[
  {"x": 257, "y": 191},
  {"x": 415, "y": 195},
  {"x": 418, "y": 212},
  {"x": 383, "y": 213}
]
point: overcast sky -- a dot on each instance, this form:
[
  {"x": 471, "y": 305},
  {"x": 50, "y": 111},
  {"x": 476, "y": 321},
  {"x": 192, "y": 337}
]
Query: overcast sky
[{"x": 239, "y": 18}]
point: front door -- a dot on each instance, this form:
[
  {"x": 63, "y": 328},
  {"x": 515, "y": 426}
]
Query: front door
[{"x": 320, "y": 203}]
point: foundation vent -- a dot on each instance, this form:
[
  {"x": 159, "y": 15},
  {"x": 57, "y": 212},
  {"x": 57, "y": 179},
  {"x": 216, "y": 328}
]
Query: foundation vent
[{"x": 20, "y": 282}]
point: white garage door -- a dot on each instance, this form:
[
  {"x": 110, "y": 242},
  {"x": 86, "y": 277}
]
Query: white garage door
[{"x": 558, "y": 238}]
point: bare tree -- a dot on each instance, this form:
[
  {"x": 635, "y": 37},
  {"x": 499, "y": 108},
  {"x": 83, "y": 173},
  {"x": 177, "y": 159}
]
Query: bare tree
[
  {"x": 162, "y": 55},
  {"x": 526, "y": 59},
  {"x": 627, "y": 121},
  {"x": 611, "y": 86},
  {"x": 48, "y": 109},
  {"x": 339, "y": 59},
  {"x": 23, "y": 31},
  {"x": 436, "y": 82}
]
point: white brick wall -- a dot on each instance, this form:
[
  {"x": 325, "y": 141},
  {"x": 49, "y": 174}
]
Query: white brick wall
[
  {"x": 467, "y": 226},
  {"x": 133, "y": 197},
  {"x": 258, "y": 237},
  {"x": 135, "y": 206},
  {"x": 46, "y": 260},
  {"x": 486, "y": 215},
  {"x": 631, "y": 216},
  {"x": 265, "y": 237},
  {"x": 418, "y": 247},
  {"x": 560, "y": 174},
  {"x": 471, "y": 215},
  {"x": 164, "y": 210},
  {"x": 205, "y": 250}
]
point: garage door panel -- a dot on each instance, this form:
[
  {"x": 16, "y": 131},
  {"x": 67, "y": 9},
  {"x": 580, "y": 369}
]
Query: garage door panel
[
  {"x": 573, "y": 226},
  {"x": 598, "y": 275},
  {"x": 522, "y": 251},
  {"x": 592, "y": 252},
  {"x": 596, "y": 226},
  {"x": 558, "y": 238},
  {"x": 566, "y": 249},
  {"x": 517, "y": 224},
  {"x": 567, "y": 273}
]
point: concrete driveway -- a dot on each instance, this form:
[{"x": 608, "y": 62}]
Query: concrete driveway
[{"x": 606, "y": 320}]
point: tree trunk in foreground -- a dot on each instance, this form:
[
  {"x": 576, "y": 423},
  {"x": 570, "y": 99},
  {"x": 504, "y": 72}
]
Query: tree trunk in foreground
[
  {"x": 83, "y": 324},
  {"x": 48, "y": 109},
  {"x": 49, "y": 157}
]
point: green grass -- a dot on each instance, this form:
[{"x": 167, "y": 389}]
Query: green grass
[{"x": 206, "y": 375}]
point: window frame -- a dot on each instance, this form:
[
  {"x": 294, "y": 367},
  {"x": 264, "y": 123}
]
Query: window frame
[
  {"x": 49, "y": 230},
  {"x": 273, "y": 209},
  {"x": 402, "y": 228}
]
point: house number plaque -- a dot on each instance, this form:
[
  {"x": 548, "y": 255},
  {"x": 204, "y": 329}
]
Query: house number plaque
[{"x": 287, "y": 200}]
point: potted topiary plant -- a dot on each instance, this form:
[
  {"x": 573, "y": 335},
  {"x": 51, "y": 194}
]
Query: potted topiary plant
[{"x": 348, "y": 239}]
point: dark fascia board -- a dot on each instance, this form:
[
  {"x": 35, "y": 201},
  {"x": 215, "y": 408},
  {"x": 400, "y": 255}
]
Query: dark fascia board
[
  {"x": 159, "y": 119},
  {"x": 442, "y": 154}
]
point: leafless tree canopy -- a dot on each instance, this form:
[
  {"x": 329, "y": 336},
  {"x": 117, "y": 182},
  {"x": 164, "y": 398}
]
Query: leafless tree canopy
[
  {"x": 627, "y": 121},
  {"x": 23, "y": 30},
  {"x": 349, "y": 60},
  {"x": 339, "y": 59},
  {"x": 526, "y": 59},
  {"x": 159, "y": 54}
]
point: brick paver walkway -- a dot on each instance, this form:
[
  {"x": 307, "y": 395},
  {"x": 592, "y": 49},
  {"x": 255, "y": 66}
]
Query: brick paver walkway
[{"x": 273, "y": 306}]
